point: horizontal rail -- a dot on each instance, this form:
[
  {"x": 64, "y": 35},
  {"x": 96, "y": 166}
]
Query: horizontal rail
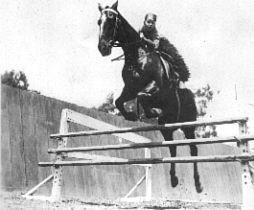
[
  {"x": 155, "y": 144},
  {"x": 94, "y": 157},
  {"x": 95, "y": 124},
  {"x": 192, "y": 159},
  {"x": 150, "y": 127}
]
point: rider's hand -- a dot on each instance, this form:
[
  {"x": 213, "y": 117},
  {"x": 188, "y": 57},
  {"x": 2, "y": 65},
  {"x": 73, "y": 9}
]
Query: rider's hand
[{"x": 156, "y": 44}]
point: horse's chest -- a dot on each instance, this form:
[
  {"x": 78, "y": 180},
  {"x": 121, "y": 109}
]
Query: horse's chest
[{"x": 134, "y": 75}]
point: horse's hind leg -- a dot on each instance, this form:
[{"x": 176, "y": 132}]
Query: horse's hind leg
[
  {"x": 189, "y": 133},
  {"x": 174, "y": 179},
  {"x": 194, "y": 152},
  {"x": 168, "y": 136}
]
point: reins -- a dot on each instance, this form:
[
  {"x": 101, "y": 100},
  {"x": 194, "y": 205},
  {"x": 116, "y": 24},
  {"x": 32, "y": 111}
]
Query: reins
[{"x": 125, "y": 44}]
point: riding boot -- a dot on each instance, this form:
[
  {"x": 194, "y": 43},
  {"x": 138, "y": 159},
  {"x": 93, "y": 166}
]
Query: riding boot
[
  {"x": 145, "y": 98},
  {"x": 150, "y": 90}
]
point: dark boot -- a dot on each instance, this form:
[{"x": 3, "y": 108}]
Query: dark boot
[
  {"x": 150, "y": 90},
  {"x": 145, "y": 97}
]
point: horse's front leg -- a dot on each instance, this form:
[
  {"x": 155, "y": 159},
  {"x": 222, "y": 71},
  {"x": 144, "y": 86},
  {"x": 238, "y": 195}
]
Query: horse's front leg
[{"x": 125, "y": 96}]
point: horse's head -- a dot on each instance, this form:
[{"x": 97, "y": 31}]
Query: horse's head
[{"x": 108, "y": 24}]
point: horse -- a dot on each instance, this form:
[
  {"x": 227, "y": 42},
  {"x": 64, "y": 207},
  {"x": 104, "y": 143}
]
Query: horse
[{"x": 144, "y": 69}]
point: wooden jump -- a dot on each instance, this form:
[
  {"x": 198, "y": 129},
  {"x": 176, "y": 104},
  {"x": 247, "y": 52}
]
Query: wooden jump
[
  {"x": 150, "y": 128},
  {"x": 193, "y": 159},
  {"x": 141, "y": 142},
  {"x": 155, "y": 144}
]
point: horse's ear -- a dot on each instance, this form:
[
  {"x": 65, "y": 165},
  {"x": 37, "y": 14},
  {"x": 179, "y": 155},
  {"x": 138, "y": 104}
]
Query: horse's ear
[
  {"x": 100, "y": 7},
  {"x": 114, "y": 6}
]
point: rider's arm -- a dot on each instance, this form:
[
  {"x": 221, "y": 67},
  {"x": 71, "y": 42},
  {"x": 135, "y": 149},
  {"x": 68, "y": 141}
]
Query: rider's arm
[
  {"x": 156, "y": 43},
  {"x": 153, "y": 43}
]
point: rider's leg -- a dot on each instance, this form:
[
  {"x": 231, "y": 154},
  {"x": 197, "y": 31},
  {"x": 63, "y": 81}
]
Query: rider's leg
[
  {"x": 146, "y": 99},
  {"x": 151, "y": 89}
]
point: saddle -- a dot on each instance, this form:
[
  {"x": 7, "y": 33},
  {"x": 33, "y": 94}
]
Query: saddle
[
  {"x": 172, "y": 76},
  {"x": 171, "y": 54}
]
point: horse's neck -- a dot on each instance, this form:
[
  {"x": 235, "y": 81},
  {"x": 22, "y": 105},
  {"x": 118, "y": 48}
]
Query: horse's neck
[
  {"x": 130, "y": 54},
  {"x": 128, "y": 33},
  {"x": 128, "y": 36}
]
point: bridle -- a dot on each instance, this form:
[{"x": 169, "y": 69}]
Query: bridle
[{"x": 113, "y": 42}]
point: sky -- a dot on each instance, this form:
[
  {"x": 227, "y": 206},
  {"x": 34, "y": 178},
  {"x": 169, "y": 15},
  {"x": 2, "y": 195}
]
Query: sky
[{"x": 54, "y": 42}]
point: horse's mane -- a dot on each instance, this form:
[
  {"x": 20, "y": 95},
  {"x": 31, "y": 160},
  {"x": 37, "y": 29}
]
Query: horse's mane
[{"x": 177, "y": 60}]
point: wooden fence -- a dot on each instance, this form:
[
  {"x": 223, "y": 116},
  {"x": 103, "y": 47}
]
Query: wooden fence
[{"x": 63, "y": 152}]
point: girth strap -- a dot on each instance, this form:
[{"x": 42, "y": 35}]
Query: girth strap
[{"x": 178, "y": 104}]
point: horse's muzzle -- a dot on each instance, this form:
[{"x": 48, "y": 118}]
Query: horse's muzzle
[{"x": 105, "y": 48}]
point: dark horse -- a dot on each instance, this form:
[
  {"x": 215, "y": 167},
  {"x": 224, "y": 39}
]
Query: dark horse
[{"x": 141, "y": 70}]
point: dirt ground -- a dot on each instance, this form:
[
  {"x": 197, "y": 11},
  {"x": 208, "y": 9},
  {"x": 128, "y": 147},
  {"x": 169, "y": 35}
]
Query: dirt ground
[{"x": 15, "y": 201}]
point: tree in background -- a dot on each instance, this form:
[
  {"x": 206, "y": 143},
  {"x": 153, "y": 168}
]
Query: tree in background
[
  {"x": 15, "y": 79},
  {"x": 108, "y": 106},
  {"x": 204, "y": 97}
]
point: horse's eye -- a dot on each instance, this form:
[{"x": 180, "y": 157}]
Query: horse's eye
[
  {"x": 99, "y": 22},
  {"x": 110, "y": 15}
]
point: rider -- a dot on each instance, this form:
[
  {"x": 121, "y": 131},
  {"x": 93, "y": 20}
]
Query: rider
[
  {"x": 160, "y": 44},
  {"x": 179, "y": 72},
  {"x": 149, "y": 32}
]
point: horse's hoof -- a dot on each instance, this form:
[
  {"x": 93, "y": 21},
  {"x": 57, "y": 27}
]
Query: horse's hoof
[
  {"x": 199, "y": 188},
  {"x": 131, "y": 116},
  {"x": 154, "y": 112},
  {"x": 174, "y": 181}
]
